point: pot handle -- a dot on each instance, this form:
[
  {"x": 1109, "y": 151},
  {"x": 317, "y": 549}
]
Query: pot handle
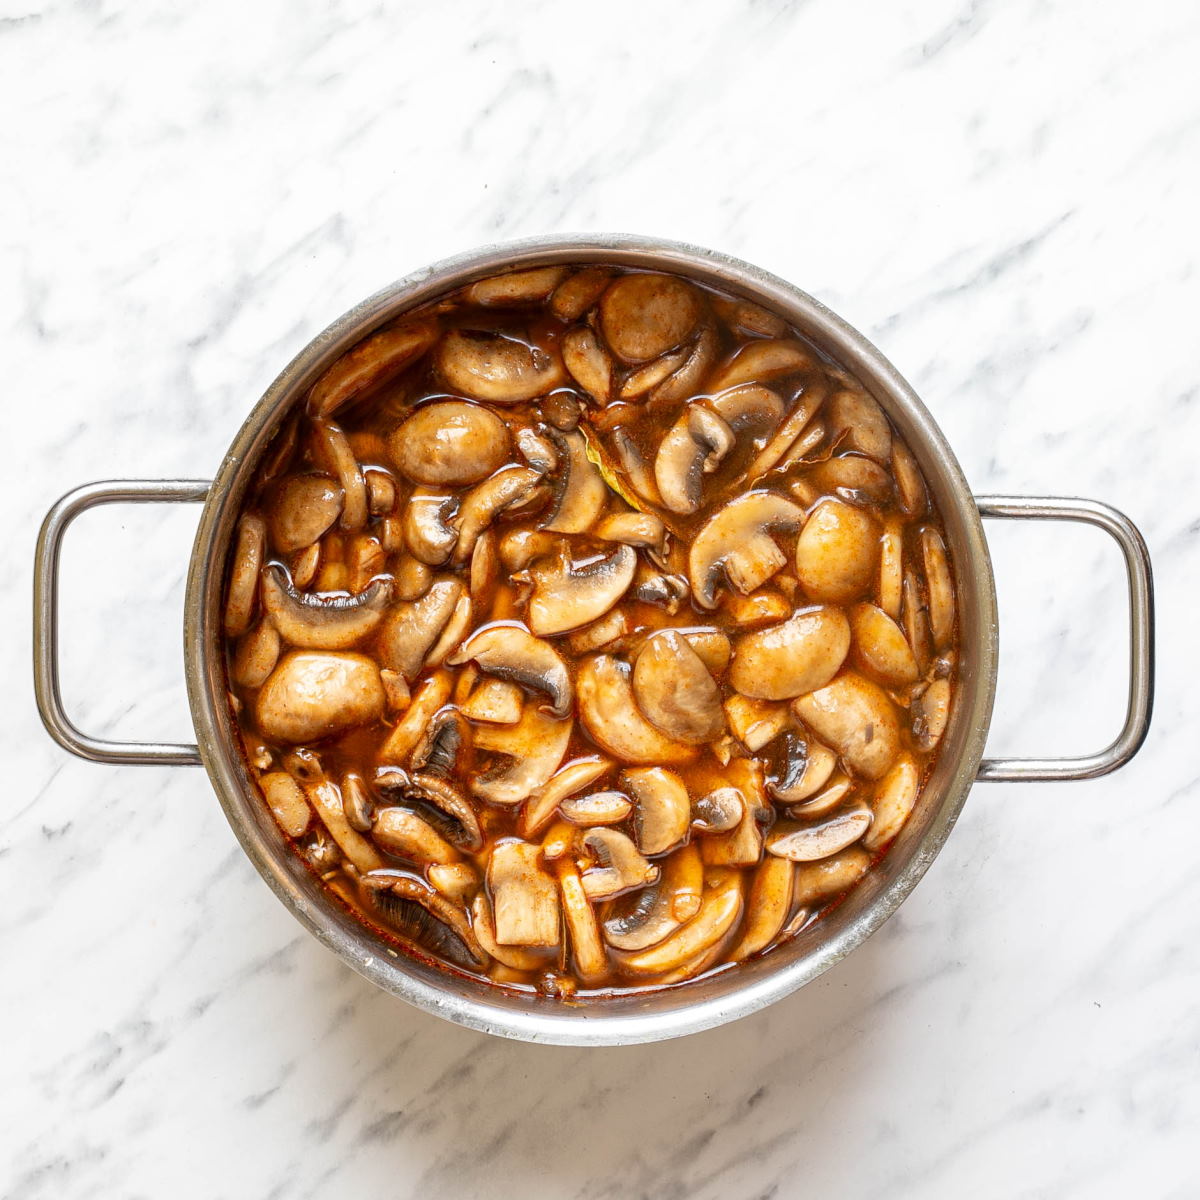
[
  {"x": 1141, "y": 643},
  {"x": 45, "y": 617}
]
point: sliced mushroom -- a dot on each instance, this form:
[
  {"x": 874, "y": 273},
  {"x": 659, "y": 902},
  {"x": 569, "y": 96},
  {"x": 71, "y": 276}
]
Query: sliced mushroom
[
  {"x": 914, "y": 617},
  {"x": 245, "y": 567},
  {"x": 817, "y": 881},
  {"x": 795, "y": 435},
  {"x": 675, "y": 691},
  {"x": 735, "y": 544},
  {"x": 332, "y": 451},
  {"x": 520, "y": 545},
  {"x": 494, "y": 702},
  {"x": 720, "y": 909},
  {"x": 326, "y": 801},
  {"x": 495, "y": 366},
  {"x": 445, "y": 807},
  {"x": 381, "y": 491},
  {"x": 694, "y": 446},
  {"x": 800, "y": 769},
  {"x": 644, "y": 315},
  {"x": 530, "y": 752},
  {"x": 317, "y": 694},
  {"x": 610, "y": 714},
  {"x": 578, "y": 292},
  {"x": 515, "y": 287},
  {"x": 537, "y": 450},
  {"x": 596, "y": 808},
  {"x": 255, "y": 655},
  {"x": 720, "y": 811},
  {"x": 758, "y": 361},
  {"x": 357, "y": 802},
  {"x": 881, "y": 650},
  {"x": 712, "y": 645},
  {"x": 591, "y": 962},
  {"x": 452, "y": 635},
  {"x": 518, "y": 958},
  {"x": 764, "y": 607},
  {"x": 767, "y": 906},
  {"x": 524, "y": 896},
  {"x": 653, "y": 373},
  {"x": 647, "y": 917},
  {"x": 806, "y": 843},
  {"x": 632, "y": 528},
  {"x": 512, "y": 652},
  {"x": 853, "y": 477},
  {"x": 663, "y": 809},
  {"x": 894, "y": 799},
  {"x": 858, "y": 422},
  {"x": 636, "y": 469},
  {"x": 427, "y": 533},
  {"x": 426, "y": 700},
  {"x": 784, "y": 661},
  {"x": 581, "y": 491},
  {"x": 413, "y": 578},
  {"x": 589, "y": 363},
  {"x": 836, "y": 790},
  {"x": 305, "y": 566},
  {"x": 910, "y": 485},
  {"x": 741, "y": 846},
  {"x": 365, "y": 560},
  {"x": 751, "y": 410},
  {"x": 407, "y": 836},
  {"x": 285, "y": 799},
  {"x": 856, "y": 718},
  {"x": 567, "y": 595},
  {"x": 317, "y": 621},
  {"x": 545, "y": 802},
  {"x": 621, "y": 868},
  {"x": 396, "y": 689},
  {"x": 931, "y": 712},
  {"x": 410, "y": 629},
  {"x": 429, "y": 921},
  {"x": 375, "y": 361},
  {"x": 507, "y": 489},
  {"x": 837, "y": 552},
  {"x": 653, "y": 587},
  {"x": 755, "y": 723},
  {"x": 939, "y": 586},
  {"x": 442, "y": 743},
  {"x": 749, "y": 318},
  {"x": 891, "y": 567},
  {"x": 686, "y": 381},
  {"x": 300, "y": 509},
  {"x": 456, "y": 881}
]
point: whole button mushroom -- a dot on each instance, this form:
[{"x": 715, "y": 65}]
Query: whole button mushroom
[
  {"x": 449, "y": 443},
  {"x": 837, "y": 552},
  {"x": 313, "y": 694}
]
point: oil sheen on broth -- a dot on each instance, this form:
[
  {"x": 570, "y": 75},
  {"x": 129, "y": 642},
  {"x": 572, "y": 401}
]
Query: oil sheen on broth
[{"x": 589, "y": 630}]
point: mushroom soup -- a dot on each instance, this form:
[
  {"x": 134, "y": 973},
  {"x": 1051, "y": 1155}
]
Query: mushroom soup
[{"x": 589, "y": 630}]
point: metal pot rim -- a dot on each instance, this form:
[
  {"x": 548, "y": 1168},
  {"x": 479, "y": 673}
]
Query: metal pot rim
[{"x": 701, "y": 1004}]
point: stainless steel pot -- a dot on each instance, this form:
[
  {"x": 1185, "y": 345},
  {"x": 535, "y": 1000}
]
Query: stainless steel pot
[{"x": 703, "y": 1003}]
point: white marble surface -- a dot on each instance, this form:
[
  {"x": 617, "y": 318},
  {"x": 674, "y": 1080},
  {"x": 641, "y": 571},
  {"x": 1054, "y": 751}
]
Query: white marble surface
[{"x": 1005, "y": 196}]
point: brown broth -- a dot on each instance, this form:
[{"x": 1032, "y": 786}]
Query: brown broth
[{"x": 376, "y": 548}]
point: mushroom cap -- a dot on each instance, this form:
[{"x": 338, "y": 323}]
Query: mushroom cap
[
  {"x": 856, "y": 718},
  {"x": 837, "y": 553},
  {"x": 300, "y": 508},
  {"x": 799, "y": 655},
  {"x": 675, "y": 691},
  {"x": 664, "y": 809},
  {"x": 499, "y": 367},
  {"x": 449, "y": 443},
  {"x": 423, "y": 917},
  {"x": 645, "y": 315},
  {"x": 314, "y": 694}
]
